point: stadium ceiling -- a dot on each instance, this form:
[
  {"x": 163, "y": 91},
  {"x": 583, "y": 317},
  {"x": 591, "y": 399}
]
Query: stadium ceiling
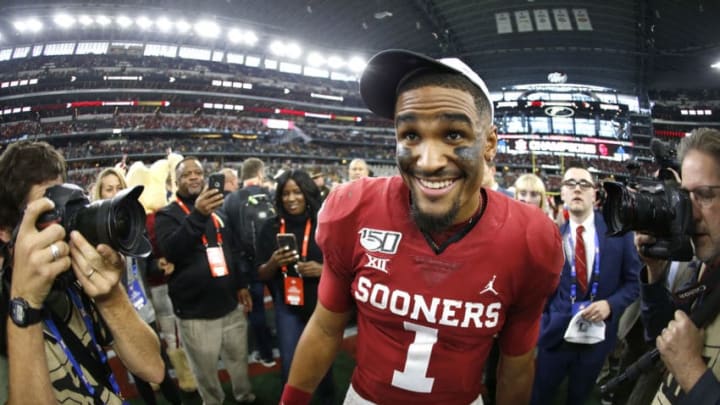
[{"x": 630, "y": 45}]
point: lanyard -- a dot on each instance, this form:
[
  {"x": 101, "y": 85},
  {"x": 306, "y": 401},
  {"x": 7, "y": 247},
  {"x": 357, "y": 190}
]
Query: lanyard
[
  {"x": 218, "y": 235},
  {"x": 91, "y": 331},
  {"x": 698, "y": 290},
  {"x": 134, "y": 268},
  {"x": 131, "y": 268},
  {"x": 573, "y": 271},
  {"x": 306, "y": 240}
]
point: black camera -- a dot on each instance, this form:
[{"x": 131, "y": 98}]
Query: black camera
[
  {"x": 659, "y": 208},
  {"x": 118, "y": 222}
]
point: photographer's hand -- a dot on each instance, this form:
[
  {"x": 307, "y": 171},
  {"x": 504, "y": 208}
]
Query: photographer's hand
[
  {"x": 208, "y": 201},
  {"x": 39, "y": 256},
  {"x": 681, "y": 345},
  {"x": 656, "y": 268},
  {"x": 97, "y": 269}
]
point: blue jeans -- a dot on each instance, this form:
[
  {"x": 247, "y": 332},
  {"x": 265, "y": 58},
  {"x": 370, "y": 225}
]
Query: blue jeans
[
  {"x": 289, "y": 328},
  {"x": 258, "y": 323}
]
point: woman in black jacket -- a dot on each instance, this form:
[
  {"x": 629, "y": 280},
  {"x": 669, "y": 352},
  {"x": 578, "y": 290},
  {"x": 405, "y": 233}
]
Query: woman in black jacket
[{"x": 293, "y": 268}]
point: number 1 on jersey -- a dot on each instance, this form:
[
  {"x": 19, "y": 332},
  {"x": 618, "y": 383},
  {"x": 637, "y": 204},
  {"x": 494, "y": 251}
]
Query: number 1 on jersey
[{"x": 414, "y": 376}]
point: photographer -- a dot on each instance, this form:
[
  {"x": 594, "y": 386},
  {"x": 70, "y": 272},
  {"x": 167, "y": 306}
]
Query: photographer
[
  {"x": 686, "y": 350},
  {"x": 63, "y": 326}
]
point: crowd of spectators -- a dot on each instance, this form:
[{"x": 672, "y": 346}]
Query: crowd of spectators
[
  {"x": 93, "y": 154},
  {"x": 187, "y": 121},
  {"x": 669, "y": 96},
  {"x": 162, "y": 83},
  {"x": 87, "y": 71},
  {"x": 111, "y": 122},
  {"x": 90, "y": 151},
  {"x": 336, "y": 143},
  {"x": 382, "y": 137}
]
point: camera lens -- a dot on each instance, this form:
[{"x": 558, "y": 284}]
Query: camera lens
[
  {"x": 119, "y": 223},
  {"x": 122, "y": 222},
  {"x": 625, "y": 210},
  {"x": 127, "y": 223}
]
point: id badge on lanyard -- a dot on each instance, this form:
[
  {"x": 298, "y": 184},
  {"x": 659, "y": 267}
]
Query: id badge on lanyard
[
  {"x": 294, "y": 286},
  {"x": 579, "y": 306},
  {"x": 294, "y": 291},
  {"x": 135, "y": 290},
  {"x": 216, "y": 260},
  {"x": 215, "y": 255}
]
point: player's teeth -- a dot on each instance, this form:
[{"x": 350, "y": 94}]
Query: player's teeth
[{"x": 436, "y": 185}]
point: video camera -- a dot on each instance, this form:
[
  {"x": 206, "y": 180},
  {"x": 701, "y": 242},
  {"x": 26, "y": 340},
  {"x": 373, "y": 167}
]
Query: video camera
[{"x": 659, "y": 208}]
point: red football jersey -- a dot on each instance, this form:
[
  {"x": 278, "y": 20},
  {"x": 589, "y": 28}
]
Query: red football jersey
[{"x": 426, "y": 321}]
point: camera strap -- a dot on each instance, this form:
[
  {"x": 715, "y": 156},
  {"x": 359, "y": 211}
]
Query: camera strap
[
  {"x": 706, "y": 283},
  {"x": 77, "y": 353}
]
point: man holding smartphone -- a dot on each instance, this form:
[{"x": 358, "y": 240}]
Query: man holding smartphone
[
  {"x": 217, "y": 181},
  {"x": 207, "y": 285}
]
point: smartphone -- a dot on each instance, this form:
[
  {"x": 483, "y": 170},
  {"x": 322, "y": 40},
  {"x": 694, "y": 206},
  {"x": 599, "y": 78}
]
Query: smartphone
[
  {"x": 287, "y": 239},
  {"x": 217, "y": 181}
]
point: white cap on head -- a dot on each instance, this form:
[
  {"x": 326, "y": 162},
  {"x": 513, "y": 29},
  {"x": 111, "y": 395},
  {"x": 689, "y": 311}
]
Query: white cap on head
[
  {"x": 387, "y": 70},
  {"x": 583, "y": 331}
]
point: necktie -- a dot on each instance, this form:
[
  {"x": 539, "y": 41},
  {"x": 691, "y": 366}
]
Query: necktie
[{"x": 580, "y": 260}]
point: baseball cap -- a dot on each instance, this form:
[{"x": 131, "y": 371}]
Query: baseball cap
[
  {"x": 583, "y": 331},
  {"x": 386, "y": 70}
]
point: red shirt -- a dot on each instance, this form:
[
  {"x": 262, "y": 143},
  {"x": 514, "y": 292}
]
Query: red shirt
[{"x": 426, "y": 321}]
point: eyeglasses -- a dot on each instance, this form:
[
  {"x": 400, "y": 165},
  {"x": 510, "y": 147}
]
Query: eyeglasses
[
  {"x": 704, "y": 195},
  {"x": 572, "y": 183}
]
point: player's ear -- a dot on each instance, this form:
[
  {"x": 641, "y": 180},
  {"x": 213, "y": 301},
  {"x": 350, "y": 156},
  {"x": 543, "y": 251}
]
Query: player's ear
[{"x": 490, "y": 144}]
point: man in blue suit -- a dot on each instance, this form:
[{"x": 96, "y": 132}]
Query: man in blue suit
[{"x": 599, "y": 279}]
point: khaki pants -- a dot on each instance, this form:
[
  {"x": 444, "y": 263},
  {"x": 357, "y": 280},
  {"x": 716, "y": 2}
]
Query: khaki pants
[{"x": 205, "y": 341}]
